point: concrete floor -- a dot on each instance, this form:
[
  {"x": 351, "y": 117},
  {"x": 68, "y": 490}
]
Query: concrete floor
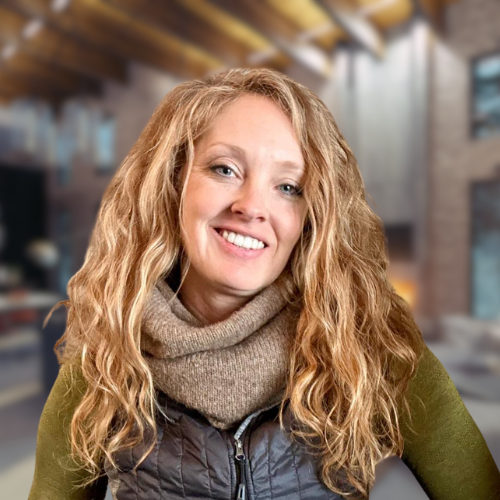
[{"x": 22, "y": 401}]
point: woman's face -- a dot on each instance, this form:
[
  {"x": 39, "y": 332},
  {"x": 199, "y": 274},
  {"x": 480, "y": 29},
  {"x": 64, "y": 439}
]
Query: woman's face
[{"x": 246, "y": 172}]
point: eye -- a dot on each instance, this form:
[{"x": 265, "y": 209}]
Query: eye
[
  {"x": 214, "y": 168},
  {"x": 296, "y": 190}
]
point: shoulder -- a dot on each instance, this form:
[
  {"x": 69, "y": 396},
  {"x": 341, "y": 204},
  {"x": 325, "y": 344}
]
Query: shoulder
[
  {"x": 65, "y": 395},
  {"x": 430, "y": 376},
  {"x": 431, "y": 389},
  {"x": 56, "y": 473},
  {"x": 71, "y": 378},
  {"x": 443, "y": 446},
  {"x": 436, "y": 415}
]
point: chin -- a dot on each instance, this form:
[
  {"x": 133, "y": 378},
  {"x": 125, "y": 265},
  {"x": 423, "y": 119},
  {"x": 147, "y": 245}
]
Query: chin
[{"x": 244, "y": 284}]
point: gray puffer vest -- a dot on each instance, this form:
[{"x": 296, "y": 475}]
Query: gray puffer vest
[{"x": 194, "y": 460}]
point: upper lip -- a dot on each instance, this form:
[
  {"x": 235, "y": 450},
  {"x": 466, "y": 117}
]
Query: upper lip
[{"x": 242, "y": 232}]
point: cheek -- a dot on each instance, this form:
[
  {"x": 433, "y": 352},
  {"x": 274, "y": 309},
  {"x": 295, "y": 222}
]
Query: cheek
[
  {"x": 199, "y": 201},
  {"x": 291, "y": 228}
]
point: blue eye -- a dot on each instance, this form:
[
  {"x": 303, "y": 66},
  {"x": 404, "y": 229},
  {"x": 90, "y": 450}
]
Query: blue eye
[
  {"x": 296, "y": 190},
  {"x": 215, "y": 167}
]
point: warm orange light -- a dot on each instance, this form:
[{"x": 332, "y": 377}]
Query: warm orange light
[{"x": 406, "y": 289}]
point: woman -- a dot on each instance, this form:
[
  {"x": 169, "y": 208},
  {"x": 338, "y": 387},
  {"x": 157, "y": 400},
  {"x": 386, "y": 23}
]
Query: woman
[{"x": 232, "y": 333}]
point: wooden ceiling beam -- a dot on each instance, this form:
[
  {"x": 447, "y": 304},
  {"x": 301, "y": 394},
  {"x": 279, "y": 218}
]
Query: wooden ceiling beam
[
  {"x": 314, "y": 23},
  {"x": 384, "y": 14},
  {"x": 113, "y": 31},
  {"x": 360, "y": 29},
  {"x": 20, "y": 87},
  {"x": 7, "y": 95},
  {"x": 6, "y": 98},
  {"x": 279, "y": 31},
  {"x": 176, "y": 19},
  {"x": 50, "y": 45},
  {"x": 125, "y": 34},
  {"x": 433, "y": 11},
  {"x": 238, "y": 32},
  {"x": 25, "y": 66}
]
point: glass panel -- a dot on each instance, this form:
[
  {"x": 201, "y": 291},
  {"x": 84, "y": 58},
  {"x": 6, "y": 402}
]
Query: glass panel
[
  {"x": 486, "y": 96},
  {"x": 485, "y": 252}
]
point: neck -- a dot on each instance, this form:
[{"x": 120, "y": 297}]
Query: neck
[{"x": 207, "y": 303}]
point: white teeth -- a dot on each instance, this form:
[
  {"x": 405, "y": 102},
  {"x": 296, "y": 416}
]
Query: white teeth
[
  {"x": 239, "y": 240},
  {"x": 242, "y": 241}
]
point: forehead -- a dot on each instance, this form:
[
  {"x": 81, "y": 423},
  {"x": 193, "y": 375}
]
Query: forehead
[{"x": 253, "y": 124}]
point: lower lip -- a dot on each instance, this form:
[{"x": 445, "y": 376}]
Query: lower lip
[{"x": 238, "y": 251}]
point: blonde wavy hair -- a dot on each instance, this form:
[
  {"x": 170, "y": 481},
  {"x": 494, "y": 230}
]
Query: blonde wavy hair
[{"x": 357, "y": 345}]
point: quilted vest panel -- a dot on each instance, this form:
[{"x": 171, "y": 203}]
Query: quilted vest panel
[{"x": 193, "y": 460}]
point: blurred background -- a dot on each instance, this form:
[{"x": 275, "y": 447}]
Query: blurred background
[{"x": 413, "y": 84}]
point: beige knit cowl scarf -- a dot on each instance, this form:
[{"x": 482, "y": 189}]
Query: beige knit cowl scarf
[{"x": 225, "y": 370}]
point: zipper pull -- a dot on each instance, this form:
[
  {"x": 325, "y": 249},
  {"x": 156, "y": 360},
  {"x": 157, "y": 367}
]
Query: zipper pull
[
  {"x": 241, "y": 492},
  {"x": 240, "y": 456},
  {"x": 239, "y": 450}
]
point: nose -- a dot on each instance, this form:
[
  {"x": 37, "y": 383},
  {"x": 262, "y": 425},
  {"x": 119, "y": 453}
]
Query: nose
[{"x": 251, "y": 203}]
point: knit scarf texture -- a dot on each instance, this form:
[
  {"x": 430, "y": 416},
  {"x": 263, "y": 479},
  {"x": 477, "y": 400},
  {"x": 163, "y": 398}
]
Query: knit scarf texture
[{"x": 225, "y": 370}]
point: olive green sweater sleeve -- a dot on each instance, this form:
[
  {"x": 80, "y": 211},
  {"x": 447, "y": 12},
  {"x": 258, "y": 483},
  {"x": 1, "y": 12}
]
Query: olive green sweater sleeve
[
  {"x": 53, "y": 479},
  {"x": 446, "y": 452}
]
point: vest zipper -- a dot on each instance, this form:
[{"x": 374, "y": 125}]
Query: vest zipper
[
  {"x": 241, "y": 492},
  {"x": 240, "y": 458}
]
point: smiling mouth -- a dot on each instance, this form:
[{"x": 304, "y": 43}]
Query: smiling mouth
[
  {"x": 242, "y": 251},
  {"x": 221, "y": 231}
]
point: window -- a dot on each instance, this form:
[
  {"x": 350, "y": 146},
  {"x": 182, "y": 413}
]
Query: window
[
  {"x": 486, "y": 96},
  {"x": 485, "y": 254}
]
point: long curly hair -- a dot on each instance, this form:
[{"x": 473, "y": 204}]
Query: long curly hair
[{"x": 357, "y": 345}]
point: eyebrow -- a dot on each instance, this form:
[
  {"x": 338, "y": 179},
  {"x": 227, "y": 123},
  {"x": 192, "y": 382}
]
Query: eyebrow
[{"x": 289, "y": 165}]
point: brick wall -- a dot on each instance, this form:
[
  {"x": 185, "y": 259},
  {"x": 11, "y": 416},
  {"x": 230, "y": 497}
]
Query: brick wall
[
  {"x": 133, "y": 104},
  {"x": 456, "y": 159}
]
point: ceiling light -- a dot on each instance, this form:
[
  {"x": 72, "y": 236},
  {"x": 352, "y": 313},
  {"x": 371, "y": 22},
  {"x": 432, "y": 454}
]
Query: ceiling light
[
  {"x": 32, "y": 28},
  {"x": 8, "y": 51},
  {"x": 59, "y": 5},
  {"x": 315, "y": 32},
  {"x": 372, "y": 8},
  {"x": 262, "y": 56}
]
